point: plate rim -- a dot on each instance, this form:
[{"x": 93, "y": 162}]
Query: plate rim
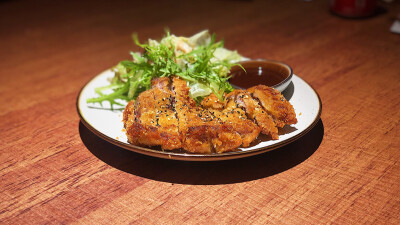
[{"x": 191, "y": 156}]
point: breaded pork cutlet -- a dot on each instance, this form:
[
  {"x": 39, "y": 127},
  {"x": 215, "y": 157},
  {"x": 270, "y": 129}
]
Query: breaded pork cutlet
[
  {"x": 275, "y": 104},
  {"x": 231, "y": 114},
  {"x": 236, "y": 116},
  {"x": 154, "y": 122},
  {"x": 201, "y": 129},
  {"x": 212, "y": 102},
  {"x": 254, "y": 111},
  {"x": 166, "y": 116}
]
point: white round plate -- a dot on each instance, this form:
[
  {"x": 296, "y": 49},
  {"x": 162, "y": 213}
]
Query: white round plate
[{"x": 108, "y": 125}]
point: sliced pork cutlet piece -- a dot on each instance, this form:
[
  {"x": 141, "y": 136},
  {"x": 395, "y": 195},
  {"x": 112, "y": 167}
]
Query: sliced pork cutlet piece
[
  {"x": 201, "y": 129},
  {"x": 212, "y": 102},
  {"x": 254, "y": 111},
  {"x": 127, "y": 117},
  {"x": 235, "y": 116},
  {"x": 182, "y": 103},
  {"x": 155, "y": 122},
  {"x": 166, "y": 116},
  {"x": 281, "y": 111},
  {"x": 137, "y": 130},
  {"x": 207, "y": 133}
]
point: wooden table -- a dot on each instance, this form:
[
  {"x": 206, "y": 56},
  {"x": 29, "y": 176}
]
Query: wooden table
[{"x": 346, "y": 170}]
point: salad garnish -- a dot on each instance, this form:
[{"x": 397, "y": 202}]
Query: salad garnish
[{"x": 199, "y": 60}]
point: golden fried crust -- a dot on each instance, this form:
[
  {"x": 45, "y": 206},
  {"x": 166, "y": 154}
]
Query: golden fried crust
[
  {"x": 207, "y": 138},
  {"x": 206, "y": 127},
  {"x": 196, "y": 140},
  {"x": 129, "y": 110},
  {"x": 254, "y": 112},
  {"x": 202, "y": 130},
  {"x": 142, "y": 130},
  {"x": 129, "y": 120},
  {"x": 226, "y": 140},
  {"x": 181, "y": 90},
  {"x": 237, "y": 117},
  {"x": 155, "y": 122},
  {"x": 182, "y": 105},
  {"x": 167, "y": 122},
  {"x": 275, "y": 104},
  {"x": 166, "y": 116},
  {"x": 212, "y": 102}
]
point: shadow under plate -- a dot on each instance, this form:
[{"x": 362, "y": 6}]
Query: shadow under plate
[{"x": 205, "y": 173}]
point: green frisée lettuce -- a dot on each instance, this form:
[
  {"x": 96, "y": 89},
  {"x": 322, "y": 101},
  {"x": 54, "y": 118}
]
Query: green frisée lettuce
[{"x": 199, "y": 60}]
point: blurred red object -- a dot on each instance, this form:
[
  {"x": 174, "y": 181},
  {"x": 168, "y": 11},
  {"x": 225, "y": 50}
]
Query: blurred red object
[{"x": 353, "y": 8}]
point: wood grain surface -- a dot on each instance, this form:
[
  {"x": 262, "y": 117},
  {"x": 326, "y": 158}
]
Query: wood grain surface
[{"x": 53, "y": 170}]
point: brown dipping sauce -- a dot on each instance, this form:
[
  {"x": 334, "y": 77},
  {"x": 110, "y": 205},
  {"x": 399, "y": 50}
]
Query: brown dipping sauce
[{"x": 257, "y": 72}]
